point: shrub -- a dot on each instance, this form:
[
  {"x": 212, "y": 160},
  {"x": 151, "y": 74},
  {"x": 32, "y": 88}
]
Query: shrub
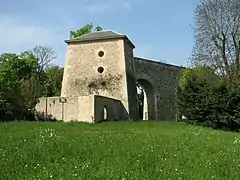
[{"x": 205, "y": 98}]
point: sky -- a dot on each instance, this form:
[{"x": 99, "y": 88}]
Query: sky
[{"x": 160, "y": 29}]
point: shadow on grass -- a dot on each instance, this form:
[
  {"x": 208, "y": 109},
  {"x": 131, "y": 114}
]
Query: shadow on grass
[
  {"x": 32, "y": 117},
  {"x": 231, "y": 126}
]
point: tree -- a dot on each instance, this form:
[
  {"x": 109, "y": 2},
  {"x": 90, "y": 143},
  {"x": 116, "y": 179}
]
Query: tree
[
  {"x": 203, "y": 98},
  {"x": 30, "y": 59},
  {"x": 54, "y": 76},
  {"x": 98, "y": 28},
  {"x": 22, "y": 81},
  {"x": 14, "y": 67},
  {"x": 84, "y": 30},
  {"x": 44, "y": 55},
  {"x": 217, "y": 37},
  {"x": 29, "y": 92},
  {"x": 14, "y": 71}
]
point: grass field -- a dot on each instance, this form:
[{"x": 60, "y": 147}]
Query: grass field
[{"x": 117, "y": 150}]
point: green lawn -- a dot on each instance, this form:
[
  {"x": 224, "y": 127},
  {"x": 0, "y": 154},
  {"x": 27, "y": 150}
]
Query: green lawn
[{"x": 117, "y": 150}]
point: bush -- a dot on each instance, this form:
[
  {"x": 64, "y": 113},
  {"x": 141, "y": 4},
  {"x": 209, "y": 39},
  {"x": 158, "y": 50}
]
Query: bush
[{"x": 205, "y": 98}]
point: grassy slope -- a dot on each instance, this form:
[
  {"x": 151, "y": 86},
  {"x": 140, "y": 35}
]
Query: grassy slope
[{"x": 120, "y": 150}]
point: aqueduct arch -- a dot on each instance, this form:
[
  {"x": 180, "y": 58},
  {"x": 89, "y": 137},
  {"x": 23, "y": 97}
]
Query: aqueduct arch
[
  {"x": 164, "y": 78},
  {"x": 87, "y": 90},
  {"x": 149, "y": 100}
]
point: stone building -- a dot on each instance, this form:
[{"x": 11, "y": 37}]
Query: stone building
[{"x": 99, "y": 82}]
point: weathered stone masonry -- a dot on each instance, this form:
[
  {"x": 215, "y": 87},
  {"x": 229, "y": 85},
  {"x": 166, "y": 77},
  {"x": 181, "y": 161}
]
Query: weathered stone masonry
[
  {"x": 100, "y": 74},
  {"x": 164, "y": 79}
]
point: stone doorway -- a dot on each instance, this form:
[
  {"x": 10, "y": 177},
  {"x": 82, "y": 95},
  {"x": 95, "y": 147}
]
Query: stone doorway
[{"x": 146, "y": 100}]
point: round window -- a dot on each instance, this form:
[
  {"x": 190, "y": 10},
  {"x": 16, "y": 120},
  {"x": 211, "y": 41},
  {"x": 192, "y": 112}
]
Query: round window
[
  {"x": 100, "y": 53},
  {"x": 100, "y": 69}
]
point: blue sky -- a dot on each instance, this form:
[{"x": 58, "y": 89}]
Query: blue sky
[{"x": 160, "y": 29}]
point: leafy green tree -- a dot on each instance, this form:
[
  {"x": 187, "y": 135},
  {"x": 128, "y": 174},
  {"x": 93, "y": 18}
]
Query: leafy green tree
[
  {"x": 54, "y": 76},
  {"x": 84, "y": 30},
  {"x": 13, "y": 70},
  {"x": 98, "y": 28},
  {"x": 204, "y": 98},
  {"x": 209, "y": 93},
  {"x": 23, "y": 79},
  {"x": 29, "y": 92}
]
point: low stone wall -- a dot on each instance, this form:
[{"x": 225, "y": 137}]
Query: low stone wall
[
  {"x": 86, "y": 109},
  {"x": 83, "y": 109},
  {"x": 65, "y": 109}
]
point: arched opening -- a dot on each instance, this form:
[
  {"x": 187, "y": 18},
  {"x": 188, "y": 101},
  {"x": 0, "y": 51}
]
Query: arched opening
[
  {"x": 146, "y": 100},
  {"x": 105, "y": 113}
]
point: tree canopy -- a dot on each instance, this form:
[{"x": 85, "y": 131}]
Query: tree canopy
[
  {"x": 209, "y": 92},
  {"x": 29, "y": 75},
  {"x": 23, "y": 80},
  {"x": 84, "y": 30},
  {"x": 217, "y": 37}
]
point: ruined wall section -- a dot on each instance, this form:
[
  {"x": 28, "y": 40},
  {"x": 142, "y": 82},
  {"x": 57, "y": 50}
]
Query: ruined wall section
[
  {"x": 165, "y": 78},
  {"x": 114, "y": 108},
  {"x": 66, "y": 111},
  {"x": 82, "y": 109}
]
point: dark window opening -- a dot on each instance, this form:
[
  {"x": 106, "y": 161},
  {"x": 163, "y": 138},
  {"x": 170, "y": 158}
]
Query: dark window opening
[
  {"x": 100, "y": 53},
  {"x": 100, "y": 69}
]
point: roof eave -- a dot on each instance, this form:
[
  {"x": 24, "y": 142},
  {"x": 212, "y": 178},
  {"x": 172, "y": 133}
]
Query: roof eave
[
  {"x": 130, "y": 42},
  {"x": 71, "y": 41}
]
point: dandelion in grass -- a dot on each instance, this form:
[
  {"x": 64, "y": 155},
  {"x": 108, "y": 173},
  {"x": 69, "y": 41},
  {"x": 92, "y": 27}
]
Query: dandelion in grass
[{"x": 236, "y": 140}]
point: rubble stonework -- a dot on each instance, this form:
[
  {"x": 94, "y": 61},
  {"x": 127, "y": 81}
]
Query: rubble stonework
[{"x": 100, "y": 75}]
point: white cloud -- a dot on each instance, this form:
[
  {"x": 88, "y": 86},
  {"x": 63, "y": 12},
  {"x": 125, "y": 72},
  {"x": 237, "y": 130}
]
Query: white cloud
[{"x": 17, "y": 36}]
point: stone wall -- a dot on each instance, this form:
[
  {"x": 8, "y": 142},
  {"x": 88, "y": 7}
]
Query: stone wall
[
  {"x": 130, "y": 81},
  {"x": 83, "y": 109},
  {"x": 81, "y": 75},
  {"x": 114, "y": 108},
  {"x": 164, "y": 78},
  {"x": 86, "y": 109},
  {"x": 102, "y": 73},
  {"x": 67, "y": 111},
  {"x": 158, "y": 79}
]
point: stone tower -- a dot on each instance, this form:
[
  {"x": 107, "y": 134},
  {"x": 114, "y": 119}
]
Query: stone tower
[{"x": 101, "y": 63}]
